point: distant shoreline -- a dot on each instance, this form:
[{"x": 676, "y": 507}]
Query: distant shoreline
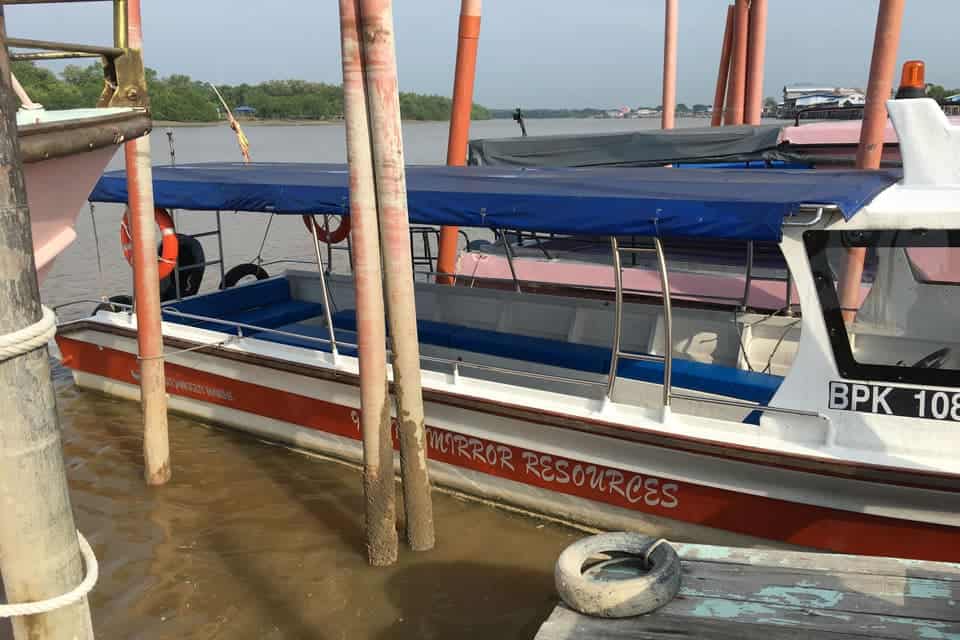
[{"x": 279, "y": 122}]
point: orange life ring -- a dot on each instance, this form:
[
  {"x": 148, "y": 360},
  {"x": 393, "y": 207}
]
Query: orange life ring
[
  {"x": 170, "y": 248},
  {"x": 337, "y": 235}
]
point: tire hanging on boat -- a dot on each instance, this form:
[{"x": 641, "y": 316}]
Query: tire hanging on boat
[
  {"x": 241, "y": 271},
  {"x": 169, "y": 244},
  {"x": 190, "y": 268},
  {"x": 330, "y": 237}
]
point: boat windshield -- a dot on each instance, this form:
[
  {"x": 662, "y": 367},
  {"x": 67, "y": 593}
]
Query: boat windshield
[{"x": 902, "y": 314}]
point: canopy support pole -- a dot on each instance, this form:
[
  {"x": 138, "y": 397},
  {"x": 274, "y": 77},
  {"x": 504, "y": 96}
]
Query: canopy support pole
[
  {"x": 738, "y": 64},
  {"x": 869, "y": 153},
  {"x": 468, "y": 42},
  {"x": 508, "y": 251},
  {"x": 756, "y": 58},
  {"x": 146, "y": 287},
  {"x": 378, "y": 483},
  {"x": 324, "y": 290},
  {"x": 723, "y": 73},
  {"x": 668, "y": 115},
  {"x": 383, "y": 107}
]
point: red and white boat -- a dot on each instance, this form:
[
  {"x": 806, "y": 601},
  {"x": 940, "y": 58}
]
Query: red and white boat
[{"x": 637, "y": 413}]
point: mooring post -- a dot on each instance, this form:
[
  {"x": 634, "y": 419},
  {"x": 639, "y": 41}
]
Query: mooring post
[
  {"x": 737, "y": 82},
  {"x": 756, "y": 58},
  {"x": 39, "y": 551},
  {"x": 723, "y": 73},
  {"x": 872, "y": 131},
  {"x": 378, "y": 484},
  {"x": 468, "y": 41},
  {"x": 669, "y": 102},
  {"x": 146, "y": 284},
  {"x": 383, "y": 105}
]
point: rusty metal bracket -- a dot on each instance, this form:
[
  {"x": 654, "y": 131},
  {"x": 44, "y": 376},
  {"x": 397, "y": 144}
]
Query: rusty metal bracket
[{"x": 126, "y": 82}]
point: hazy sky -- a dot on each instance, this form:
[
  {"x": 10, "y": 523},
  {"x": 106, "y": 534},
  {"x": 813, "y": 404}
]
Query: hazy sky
[{"x": 533, "y": 53}]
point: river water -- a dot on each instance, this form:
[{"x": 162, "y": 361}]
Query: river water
[{"x": 251, "y": 540}]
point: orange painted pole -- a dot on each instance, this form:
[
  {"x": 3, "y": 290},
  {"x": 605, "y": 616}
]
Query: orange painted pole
[
  {"x": 146, "y": 288},
  {"x": 468, "y": 41},
  {"x": 756, "y": 58},
  {"x": 383, "y": 107},
  {"x": 723, "y": 73},
  {"x": 882, "y": 70},
  {"x": 668, "y": 115},
  {"x": 378, "y": 483},
  {"x": 737, "y": 82}
]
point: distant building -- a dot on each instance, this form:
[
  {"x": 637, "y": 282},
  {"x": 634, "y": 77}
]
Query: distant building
[{"x": 245, "y": 112}]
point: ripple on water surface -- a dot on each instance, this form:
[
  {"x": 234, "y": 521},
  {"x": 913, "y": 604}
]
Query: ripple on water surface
[{"x": 255, "y": 541}]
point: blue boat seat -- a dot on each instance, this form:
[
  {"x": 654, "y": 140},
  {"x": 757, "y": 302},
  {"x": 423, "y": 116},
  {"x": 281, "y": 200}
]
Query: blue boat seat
[
  {"x": 343, "y": 336},
  {"x": 687, "y": 374},
  {"x": 265, "y": 304}
]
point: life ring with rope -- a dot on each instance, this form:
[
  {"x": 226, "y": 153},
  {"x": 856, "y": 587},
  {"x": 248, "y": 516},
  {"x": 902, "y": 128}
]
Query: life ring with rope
[
  {"x": 170, "y": 247},
  {"x": 323, "y": 234}
]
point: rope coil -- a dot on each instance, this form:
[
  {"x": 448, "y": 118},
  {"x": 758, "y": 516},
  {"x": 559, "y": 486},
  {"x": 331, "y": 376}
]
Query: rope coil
[
  {"x": 29, "y": 338},
  {"x": 73, "y": 596}
]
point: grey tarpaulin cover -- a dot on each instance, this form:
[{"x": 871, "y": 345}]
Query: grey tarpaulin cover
[{"x": 631, "y": 149}]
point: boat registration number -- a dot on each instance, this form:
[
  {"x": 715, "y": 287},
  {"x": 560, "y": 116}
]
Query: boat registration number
[{"x": 895, "y": 401}]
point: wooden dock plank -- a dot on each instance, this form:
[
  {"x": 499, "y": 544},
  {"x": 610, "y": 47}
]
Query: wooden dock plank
[
  {"x": 819, "y": 561},
  {"x": 929, "y": 598},
  {"x": 564, "y": 624},
  {"x": 722, "y": 618},
  {"x": 753, "y": 594}
]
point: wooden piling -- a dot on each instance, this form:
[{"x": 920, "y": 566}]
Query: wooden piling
[
  {"x": 756, "y": 58},
  {"x": 383, "y": 106},
  {"x": 737, "y": 81},
  {"x": 882, "y": 70},
  {"x": 468, "y": 41},
  {"x": 146, "y": 286},
  {"x": 669, "y": 102},
  {"x": 39, "y": 552},
  {"x": 723, "y": 73},
  {"x": 378, "y": 483}
]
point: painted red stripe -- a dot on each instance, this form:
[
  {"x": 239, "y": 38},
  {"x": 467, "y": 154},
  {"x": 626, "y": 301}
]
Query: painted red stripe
[{"x": 811, "y": 526}]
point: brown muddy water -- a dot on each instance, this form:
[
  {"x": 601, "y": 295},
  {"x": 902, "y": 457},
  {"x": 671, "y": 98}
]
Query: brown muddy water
[{"x": 251, "y": 540}]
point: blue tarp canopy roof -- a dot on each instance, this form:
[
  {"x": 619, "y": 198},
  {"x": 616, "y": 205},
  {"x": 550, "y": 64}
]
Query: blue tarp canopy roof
[{"x": 707, "y": 203}]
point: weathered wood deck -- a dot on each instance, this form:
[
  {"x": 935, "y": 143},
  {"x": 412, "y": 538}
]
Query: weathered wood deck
[{"x": 741, "y": 594}]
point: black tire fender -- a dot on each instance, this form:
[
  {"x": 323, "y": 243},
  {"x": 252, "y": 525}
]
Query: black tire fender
[{"x": 241, "y": 271}]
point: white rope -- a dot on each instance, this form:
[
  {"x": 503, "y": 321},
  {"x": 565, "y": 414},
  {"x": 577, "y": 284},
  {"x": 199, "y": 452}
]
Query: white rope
[
  {"x": 29, "y": 338},
  {"x": 76, "y": 594}
]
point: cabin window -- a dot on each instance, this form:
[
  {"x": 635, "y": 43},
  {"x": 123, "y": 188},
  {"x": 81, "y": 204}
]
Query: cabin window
[{"x": 899, "y": 321}]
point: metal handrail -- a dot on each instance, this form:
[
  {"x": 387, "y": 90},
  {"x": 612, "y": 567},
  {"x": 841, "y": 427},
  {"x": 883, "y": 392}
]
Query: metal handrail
[
  {"x": 455, "y": 364},
  {"x": 618, "y": 316},
  {"x": 667, "y": 324},
  {"x": 746, "y": 405}
]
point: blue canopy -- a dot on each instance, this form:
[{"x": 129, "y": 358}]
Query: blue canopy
[{"x": 707, "y": 203}]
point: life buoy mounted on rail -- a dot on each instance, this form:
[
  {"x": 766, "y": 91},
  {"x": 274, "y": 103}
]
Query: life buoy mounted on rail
[
  {"x": 330, "y": 237},
  {"x": 170, "y": 246}
]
